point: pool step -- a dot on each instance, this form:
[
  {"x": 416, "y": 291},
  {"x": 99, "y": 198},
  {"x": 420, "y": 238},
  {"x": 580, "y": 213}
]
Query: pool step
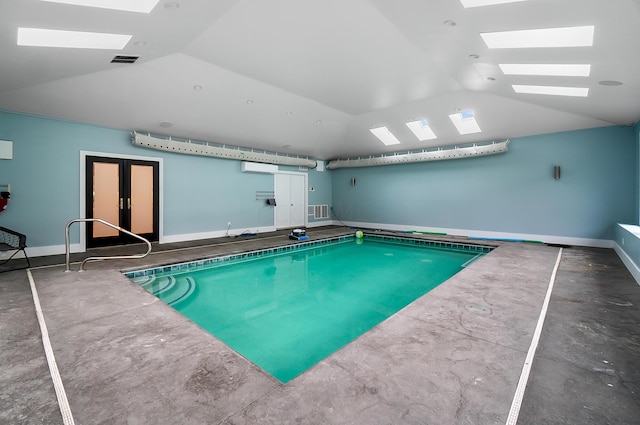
[{"x": 170, "y": 289}]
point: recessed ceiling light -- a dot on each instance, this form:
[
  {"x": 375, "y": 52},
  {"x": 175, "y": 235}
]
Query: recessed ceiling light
[
  {"x": 165, "y": 124},
  {"x": 197, "y": 87},
  {"x": 140, "y": 6},
  {"x": 449, "y": 23},
  {"x": 318, "y": 121},
  {"x": 548, "y": 37},
  {"x": 477, "y": 3},
  {"x": 491, "y": 79},
  {"x": 249, "y": 101},
  {"x": 172, "y": 5},
  {"x": 551, "y": 90},
  {"x": 474, "y": 57},
  {"x": 465, "y": 122},
  {"x": 289, "y": 113},
  {"x": 610, "y": 83},
  {"x": 421, "y": 129},
  {"x": 562, "y": 70},
  {"x": 71, "y": 39},
  {"x": 385, "y": 136}
]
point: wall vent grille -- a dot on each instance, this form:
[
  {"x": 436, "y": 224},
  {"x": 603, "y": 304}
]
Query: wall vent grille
[
  {"x": 321, "y": 211},
  {"x": 124, "y": 59}
]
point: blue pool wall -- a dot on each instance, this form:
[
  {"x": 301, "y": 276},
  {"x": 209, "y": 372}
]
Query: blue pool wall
[{"x": 506, "y": 195}]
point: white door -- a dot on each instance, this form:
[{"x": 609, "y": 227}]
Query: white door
[{"x": 290, "y": 190}]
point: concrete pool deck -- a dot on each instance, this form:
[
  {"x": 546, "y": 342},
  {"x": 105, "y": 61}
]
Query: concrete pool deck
[{"x": 454, "y": 356}]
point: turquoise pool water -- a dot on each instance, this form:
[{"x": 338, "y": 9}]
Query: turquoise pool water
[{"x": 287, "y": 311}]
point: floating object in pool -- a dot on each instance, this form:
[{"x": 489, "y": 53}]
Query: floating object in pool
[{"x": 359, "y": 234}]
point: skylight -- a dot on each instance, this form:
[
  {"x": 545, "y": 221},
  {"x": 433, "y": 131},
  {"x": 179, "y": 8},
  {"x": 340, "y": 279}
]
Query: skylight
[
  {"x": 421, "y": 129},
  {"x": 548, "y": 37},
  {"x": 140, "y": 6},
  {"x": 71, "y": 39},
  {"x": 552, "y": 91},
  {"x": 385, "y": 136},
  {"x": 477, "y": 3},
  {"x": 465, "y": 122},
  {"x": 561, "y": 70}
]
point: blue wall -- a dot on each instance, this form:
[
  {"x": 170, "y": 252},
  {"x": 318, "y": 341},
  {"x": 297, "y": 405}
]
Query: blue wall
[
  {"x": 513, "y": 193},
  {"x": 201, "y": 194}
]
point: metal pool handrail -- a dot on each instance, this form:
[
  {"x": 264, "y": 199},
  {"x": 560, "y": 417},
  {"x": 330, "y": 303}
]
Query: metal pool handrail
[{"x": 117, "y": 257}]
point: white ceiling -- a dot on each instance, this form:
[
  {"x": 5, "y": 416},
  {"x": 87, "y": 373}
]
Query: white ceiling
[{"x": 311, "y": 78}]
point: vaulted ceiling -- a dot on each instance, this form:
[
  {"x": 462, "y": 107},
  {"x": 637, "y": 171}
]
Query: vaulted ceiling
[{"x": 312, "y": 78}]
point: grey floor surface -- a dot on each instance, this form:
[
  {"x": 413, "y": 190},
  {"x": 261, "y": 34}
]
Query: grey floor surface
[{"x": 454, "y": 356}]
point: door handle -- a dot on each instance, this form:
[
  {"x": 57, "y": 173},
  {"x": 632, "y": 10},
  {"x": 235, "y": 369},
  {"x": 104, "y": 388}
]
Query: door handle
[
  {"x": 121, "y": 203},
  {"x": 128, "y": 203}
]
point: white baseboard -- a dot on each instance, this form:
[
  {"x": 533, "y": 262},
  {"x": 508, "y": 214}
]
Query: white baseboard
[
  {"x": 186, "y": 237},
  {"x": 628, "y": 262},
  {"x": 41, "y": 251},
  {"x": 322, "y": 223},
  {"x": 477, "y": 234}
]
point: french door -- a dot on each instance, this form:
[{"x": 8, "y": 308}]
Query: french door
[{"x": 123, "y": 192}]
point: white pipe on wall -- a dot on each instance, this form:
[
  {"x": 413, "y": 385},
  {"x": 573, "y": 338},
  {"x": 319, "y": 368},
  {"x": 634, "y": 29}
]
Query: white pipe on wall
[
  {"x": 435, "y": 155},
  {"x": 204, "y": 149}
]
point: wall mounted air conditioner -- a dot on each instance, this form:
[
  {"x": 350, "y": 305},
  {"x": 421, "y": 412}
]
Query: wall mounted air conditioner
[{"x": 256, "y": 167}]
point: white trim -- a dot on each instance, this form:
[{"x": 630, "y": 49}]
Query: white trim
[
  {"x": 61, "y": 395},
  {"x": 41, "y": 251},
  {"x": 83, "y": 167},
  {"x": 550, "y": 239},
  {"x": 628, "y": 262},
  {"x": 516, "y": 403},
  {"x": 186, "y": 237},
  {"x": 323, "y": 223}
]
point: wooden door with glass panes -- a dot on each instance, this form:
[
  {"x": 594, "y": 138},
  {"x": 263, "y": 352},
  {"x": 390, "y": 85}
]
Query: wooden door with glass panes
[{"x": 123, "y": 192}]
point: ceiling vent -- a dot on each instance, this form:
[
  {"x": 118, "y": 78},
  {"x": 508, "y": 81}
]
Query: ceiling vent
[{"x": 124, "y": 59}]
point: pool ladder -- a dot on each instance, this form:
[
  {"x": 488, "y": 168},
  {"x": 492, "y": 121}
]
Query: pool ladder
[{"x": 106, "y": 223}]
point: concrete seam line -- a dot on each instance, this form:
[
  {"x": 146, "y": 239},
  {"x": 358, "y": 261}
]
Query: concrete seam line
[
  {"x": 526, "y": 369},
  {"x": 63, "y": 403}
]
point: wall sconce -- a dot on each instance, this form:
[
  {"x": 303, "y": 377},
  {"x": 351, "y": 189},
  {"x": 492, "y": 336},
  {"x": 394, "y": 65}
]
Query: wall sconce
[{"x": 556, "y": 172}]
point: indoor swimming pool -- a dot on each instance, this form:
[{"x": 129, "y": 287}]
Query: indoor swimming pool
[{"x": 287, "y": 308}]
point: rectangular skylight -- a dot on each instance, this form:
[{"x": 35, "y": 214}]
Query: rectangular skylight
[
  {"x": 548, "y": 37},
  {"x": 552, "y": 91},
  {"x": 385, "y": 136},
  {"x": 561, "y": 70},
  {"x": 140, "y": 6},
  {"x": 465, "y": 122},
  {"x": 421, "y": 129},
  {"x": 477, "y": 3},
  {"x": 71, "y": 39}
]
